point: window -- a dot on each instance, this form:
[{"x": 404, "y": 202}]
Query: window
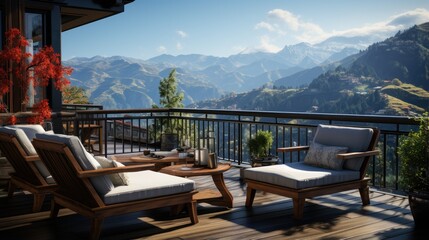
[{"x": 34, "y": 33}]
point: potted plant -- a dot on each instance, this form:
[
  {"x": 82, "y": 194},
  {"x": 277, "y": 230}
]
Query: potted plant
[
  {"x": 259, "y": 149},
  {"x": 413, "y": 152},
  {"x": 169, "y": 97},
  {"x": 170, "y": 137}
]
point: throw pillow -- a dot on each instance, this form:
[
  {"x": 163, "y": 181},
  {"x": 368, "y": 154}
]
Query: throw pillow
[
  {"x": 118, "y": 179},
  {"x": 123, "y": 175},
  {"x": 324, "y": 156}
]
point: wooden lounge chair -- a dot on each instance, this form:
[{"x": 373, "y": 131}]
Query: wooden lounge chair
[
  {"x": 86, "y": 188},
  {"x": 336, "y": 161},
  {"x": 30, "y": 173}
]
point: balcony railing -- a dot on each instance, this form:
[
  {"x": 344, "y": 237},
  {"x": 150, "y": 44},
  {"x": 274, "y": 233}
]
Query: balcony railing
[
  {"x": 76, "y": 107},
  {"x": 128, "y": 131}
]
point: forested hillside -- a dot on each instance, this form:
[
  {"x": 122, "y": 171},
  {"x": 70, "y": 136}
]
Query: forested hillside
[{"x": 404, "y": 56}]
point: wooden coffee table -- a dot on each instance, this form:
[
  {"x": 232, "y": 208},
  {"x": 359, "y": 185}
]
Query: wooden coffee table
[
  {"x": 219, "y": 198},
  {"x": 159, "y": 162}
]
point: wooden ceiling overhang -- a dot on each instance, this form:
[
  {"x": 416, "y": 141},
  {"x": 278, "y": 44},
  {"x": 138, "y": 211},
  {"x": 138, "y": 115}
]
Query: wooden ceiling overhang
[{"x": 75, "y": 13}]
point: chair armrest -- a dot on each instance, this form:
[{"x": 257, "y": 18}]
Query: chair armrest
[
  {"x": 32, "y": 158},
  {"x": 106, "y": 171},
  {"x": 350, "y": 155},
  {"x": 293, "y": 149}
]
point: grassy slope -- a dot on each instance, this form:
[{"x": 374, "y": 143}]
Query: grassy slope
[
  {"x": 406, "y": 96},
  {"x": 411, "y": 89},
  {"x": 401, "y": 107}
]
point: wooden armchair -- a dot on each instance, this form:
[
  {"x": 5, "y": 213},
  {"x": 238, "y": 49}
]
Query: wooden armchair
[
  {"x": 336, "y": 161},
  {"x": 86, "y": 188},
  {"x": 30, "y": 173}
]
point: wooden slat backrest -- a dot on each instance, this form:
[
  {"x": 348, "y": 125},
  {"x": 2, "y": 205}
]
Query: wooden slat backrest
[
  {"x": 64, "y": 168},
  {"x": 372, "y": 146},
  {"x": 15, "y": 154}
]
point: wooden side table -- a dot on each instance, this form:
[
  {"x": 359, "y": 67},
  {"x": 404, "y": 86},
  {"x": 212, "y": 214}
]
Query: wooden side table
[{"x": 219, "y": 198}]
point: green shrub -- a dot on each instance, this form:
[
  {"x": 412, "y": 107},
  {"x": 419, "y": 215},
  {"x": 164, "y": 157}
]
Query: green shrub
[
  {"x": 414, "y": 155},
  {"x": 260, "y": 145}
]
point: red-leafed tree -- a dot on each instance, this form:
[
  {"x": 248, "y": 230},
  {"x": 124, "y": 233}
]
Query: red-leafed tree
[{"x": 15, "y": 68}]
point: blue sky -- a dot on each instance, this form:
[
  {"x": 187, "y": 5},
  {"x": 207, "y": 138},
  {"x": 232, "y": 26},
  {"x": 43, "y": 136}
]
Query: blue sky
[{"x": 221, "y": 28}]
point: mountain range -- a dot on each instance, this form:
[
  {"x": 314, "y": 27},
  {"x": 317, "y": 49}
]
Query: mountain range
[
  {"x": 389, "y": 77},
  {"x": 121, "y": 83}
]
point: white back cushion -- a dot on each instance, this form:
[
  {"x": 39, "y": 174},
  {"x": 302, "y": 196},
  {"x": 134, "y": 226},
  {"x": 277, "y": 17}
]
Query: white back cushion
[
  {"x": 29, "y": 129},
  {"x": 24, "y": 134},
  {"x": 101, "y": 183},
  {"x": 22, "y": 139},
  {"x": 356, "y": 139}
]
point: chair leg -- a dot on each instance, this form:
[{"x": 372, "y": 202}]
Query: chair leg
[
  {"x": 38, "y": 202},
  {"x": 11, "y": 189},
  {"x": 192, "y": 210},
  {"x": 92, "y": 147},
  {"x": 250, "y": 196},
  {"x": 364, "y": 195},
  {"x": 96, "y": 228},
  {"x": 55, "y": 208},
  {"x": 298, "y": 208},
  {"x": 176, "y": 209}
]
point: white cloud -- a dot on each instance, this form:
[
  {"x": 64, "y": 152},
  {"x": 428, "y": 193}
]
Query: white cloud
[
  {"x": 161, "y": 49},
  {"x": 375, "y": 28},
  {"x": 410, "y": 18},
  {"x": 182, "y": 34},
  {"x": 179, "y": 46},
  {"x": 266, "y": 26},
  {"x": 266, "y": 45},
  {"x": 280, "y": 21},
  {"x": 389, "y": 27},
  {"x": 285, "y": 16}
]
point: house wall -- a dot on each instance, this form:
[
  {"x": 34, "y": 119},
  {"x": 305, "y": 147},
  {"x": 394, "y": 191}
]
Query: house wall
[{"x": 58, "y": 16}]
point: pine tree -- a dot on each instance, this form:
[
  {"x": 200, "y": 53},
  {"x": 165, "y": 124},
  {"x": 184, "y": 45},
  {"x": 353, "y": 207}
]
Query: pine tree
[{"x": 169, "y": 97}]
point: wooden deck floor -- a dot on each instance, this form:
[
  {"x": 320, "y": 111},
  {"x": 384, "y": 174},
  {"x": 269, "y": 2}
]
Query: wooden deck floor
[{"x": 337, "y": 216}]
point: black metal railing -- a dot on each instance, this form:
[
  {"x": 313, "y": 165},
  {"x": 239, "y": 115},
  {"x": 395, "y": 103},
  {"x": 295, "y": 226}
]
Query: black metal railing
[
  {"x": 77, "y": 107},
  {"x": 127, "y": 131}
]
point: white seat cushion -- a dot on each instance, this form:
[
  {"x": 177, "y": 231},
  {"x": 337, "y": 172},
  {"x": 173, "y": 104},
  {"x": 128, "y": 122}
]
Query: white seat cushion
[
  {"x": 148, "y": 184},
  {"x": 299, "y": 175}
]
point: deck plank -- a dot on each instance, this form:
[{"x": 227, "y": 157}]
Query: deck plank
[{"x": 336, "y": 216}]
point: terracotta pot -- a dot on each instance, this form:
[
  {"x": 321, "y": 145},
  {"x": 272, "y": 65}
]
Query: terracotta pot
[
  {"x": 265, "y": 161},
  {"x": 169, "y": 141},
  {"x": 419, "y": 204}
]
